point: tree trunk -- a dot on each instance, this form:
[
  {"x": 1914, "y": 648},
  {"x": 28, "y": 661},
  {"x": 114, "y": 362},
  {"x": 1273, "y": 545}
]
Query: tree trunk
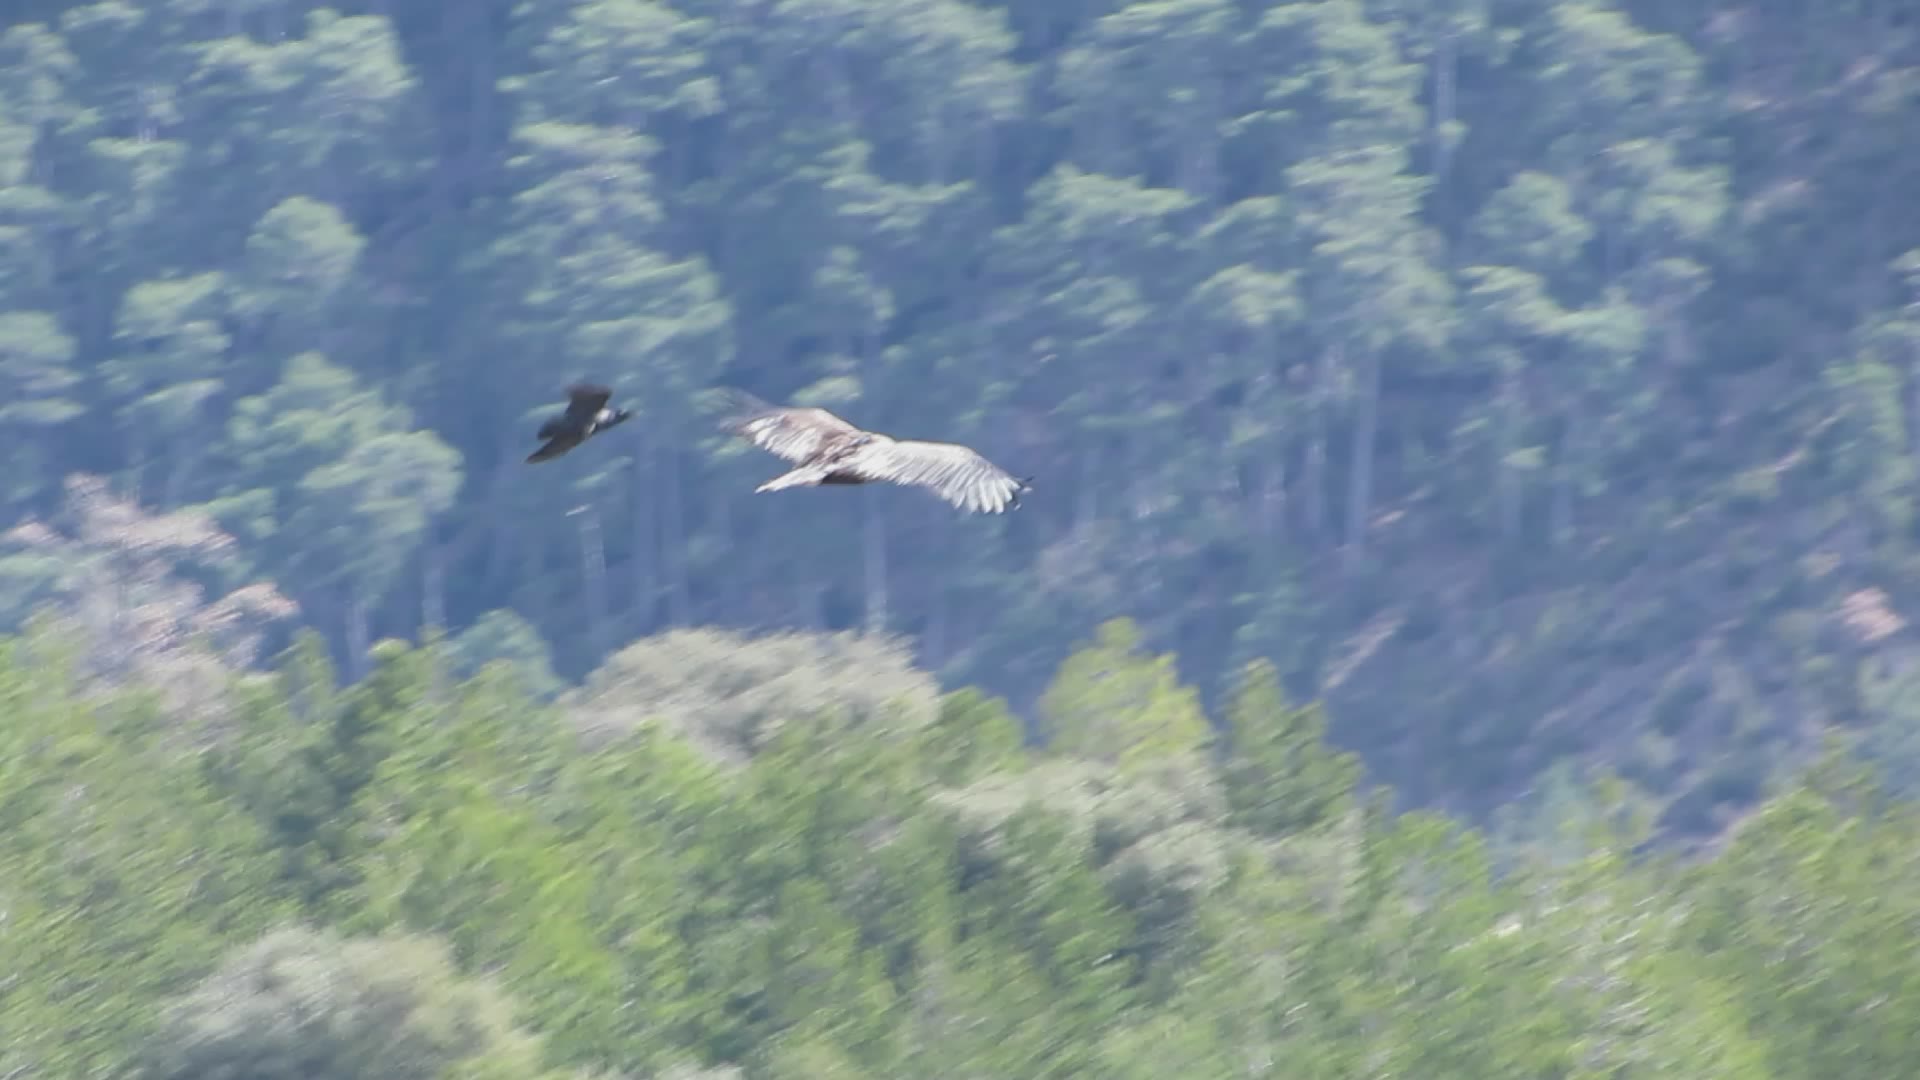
[
  {"x": 433, "y": 590},
  {"x": 1913, "y": 407},
  {"x": 1086, "y": 502},
  {"x": 810, "y": 597},
  {"x": 174, "y": 491},
  {"x": 1506, "y": 475},
  {"x": 1561, "y": 524},
  {"x": 593, "y": 579},
  {"x": 1322, "y": 394},
  {"x": 876, "y": 564},
  {"x": 482, "y": 87},
  {"x": 1360, "y": 478},
  {"x": 672, "y": 542},
  {"x": 933, "y": 641},
  {"x": 936, "y": 146},
  {"x": 1444, "y": 72},
  {"x": 358, "y": 634},
  {"x": 1199, "y": 154},
  {"x": 139, "y": 460},
  {"x": 1273, "y": 495},
  {"x": 499, "y": 546},
  {"x": 645, "y": 557}
]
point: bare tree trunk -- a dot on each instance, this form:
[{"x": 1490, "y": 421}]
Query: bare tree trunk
[
  {"x": 433, "y": 590},
  {"x": 358, "y": 635},
  {"x": 1444, "y": 70},
  {"x": 876, "y": 564},
  {"x": 673, "y": 543},
  {"x": 731, "y": 592},
  {"x": 139, "y": 460},
  {"x": 1913, "y": 406},
  {"x": 933, "y": 643},
  {"x": 1360, "y": 477},
  {"x": 174, "y": 492},
  {"x": 1271, "y": 491},
  {"x": 1273, "y": 500},
  {"x": 1199, "y": 162},
  {"x": 936, "y": 146},
  {"x": 646, "y": 561},
  {"x": 986, "y": 151},
  {"x": 1506, "y": 474},
  {"x": 809, "y": 596},
  {"x": 530, "y": 556},
  {"x": 1086, "y": 501},
  {"x": 1561, "y": 525},
  {"x": 1316, "y": 493},
  {"x": 499, "y": 548},
  {"x": 593, "y": 578},
  {"x": 1270, "y": 496},
  {"x": 481, "y": 89}
]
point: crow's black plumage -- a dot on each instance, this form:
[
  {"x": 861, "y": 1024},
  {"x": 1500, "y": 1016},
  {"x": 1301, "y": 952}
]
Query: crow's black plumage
[{"x": 587, "y": 415}]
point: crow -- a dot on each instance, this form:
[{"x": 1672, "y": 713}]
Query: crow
[{"x": 587, "y": 415}]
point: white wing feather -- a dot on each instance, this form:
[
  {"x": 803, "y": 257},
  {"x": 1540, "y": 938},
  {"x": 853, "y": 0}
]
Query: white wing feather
[
  {"x": 956, "y": 473},
  {"x": 794, "y": 434}
]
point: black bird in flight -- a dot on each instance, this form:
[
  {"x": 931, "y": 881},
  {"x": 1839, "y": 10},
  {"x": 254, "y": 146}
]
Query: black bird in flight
[
  {"x": 827, "y": 450},
  {"x": 587, "y": 415}
]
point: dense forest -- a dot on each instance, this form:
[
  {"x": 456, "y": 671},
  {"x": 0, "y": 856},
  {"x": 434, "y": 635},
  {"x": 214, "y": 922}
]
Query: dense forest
[
  {"x": 723, "y": 859},
  {"x": 1529, "y": 381}
]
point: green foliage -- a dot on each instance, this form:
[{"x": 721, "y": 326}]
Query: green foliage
[
  {"x": 122, "y": 869},
  {"x": 1280, "y": 775},
  {"x": 297, "y": 259},
  {"x": 305, "y": 1005},
  {"x": 303, "y": 764},
  {"x": 502, "y": 637},
  {"x": 972, "y": 735},
  {"x": 734, "y": 695},
  {"x": 1110, "y": 704},
  {"x": 1813, "y": 971},
  {"x": 352, "y": 880},
  {"x": 333, "y": 483}
]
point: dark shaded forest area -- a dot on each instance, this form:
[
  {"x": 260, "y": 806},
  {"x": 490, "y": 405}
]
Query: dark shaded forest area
[{"x": 1503, "y": 408}]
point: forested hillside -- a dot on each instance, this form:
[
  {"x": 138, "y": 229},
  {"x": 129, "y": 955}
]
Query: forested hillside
[
  {"x": 823, "y": 878},
  {"x": 1531, "y": 381}
]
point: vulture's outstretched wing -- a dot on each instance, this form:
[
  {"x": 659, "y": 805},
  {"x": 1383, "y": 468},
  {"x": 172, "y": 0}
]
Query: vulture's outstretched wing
[
  {"x": 585, "y": 400},
  {"x": 955, "y": 473},
  {"x": 795, "y": 434}
]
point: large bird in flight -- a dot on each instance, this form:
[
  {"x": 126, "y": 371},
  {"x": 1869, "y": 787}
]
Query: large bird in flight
[
  {"x": 827, "y": 450},
  {"x": 587, "y": 415}
]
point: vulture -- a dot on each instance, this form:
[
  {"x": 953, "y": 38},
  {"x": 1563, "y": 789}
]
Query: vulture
[
  {"x": 587, "y": 415},
  {"x": 825, "y": 449}
]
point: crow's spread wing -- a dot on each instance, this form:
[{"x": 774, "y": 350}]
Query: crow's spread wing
[
  {"x": 955, "y": 473},
  {"x": 795, "y": 434},
  {"x": 585, "y": 400},
  {"x": 554, "y": 447}
]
